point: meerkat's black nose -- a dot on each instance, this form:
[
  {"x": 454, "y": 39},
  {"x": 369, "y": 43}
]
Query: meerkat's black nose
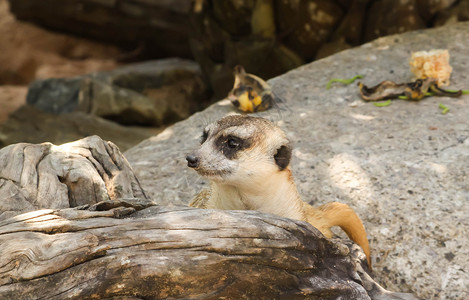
[{"x": 192, "y": 161}]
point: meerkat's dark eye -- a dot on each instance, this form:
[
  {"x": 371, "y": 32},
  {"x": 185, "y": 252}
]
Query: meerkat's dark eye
[
  {"x": 230, "y": 145},
  {"x": 204, "y": 137},
  {"x": 233, "y": 142}
]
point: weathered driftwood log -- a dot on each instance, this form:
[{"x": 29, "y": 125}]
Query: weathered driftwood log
[
  {"x": 178, "y": 253},
  {"x": 34, "y": 176}
]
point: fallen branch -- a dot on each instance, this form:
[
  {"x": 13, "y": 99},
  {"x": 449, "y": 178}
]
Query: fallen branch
[{"x": 178, "y": 253}]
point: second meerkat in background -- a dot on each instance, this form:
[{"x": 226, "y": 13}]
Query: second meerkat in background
[
  {"x": 247, "y": 161},
  {"x": 251, "y": 93}
]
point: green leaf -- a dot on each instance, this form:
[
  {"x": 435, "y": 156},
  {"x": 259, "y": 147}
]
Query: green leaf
[
  {"x": 344, "y": 81},
  {"x": 382, "y": 103},
  {"x": 455, "y": 91},
  {"x": 444, "y": 109}
]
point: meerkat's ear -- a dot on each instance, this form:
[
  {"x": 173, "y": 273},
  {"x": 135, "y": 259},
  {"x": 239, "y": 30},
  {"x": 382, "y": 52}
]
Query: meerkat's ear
[
  {"x": 238, "y": 69},
  {"x": 283, "y": 156}
]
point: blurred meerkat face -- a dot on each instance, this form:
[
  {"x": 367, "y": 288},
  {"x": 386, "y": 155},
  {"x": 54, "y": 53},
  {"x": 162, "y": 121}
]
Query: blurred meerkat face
[{"x": 241, "y": 150}]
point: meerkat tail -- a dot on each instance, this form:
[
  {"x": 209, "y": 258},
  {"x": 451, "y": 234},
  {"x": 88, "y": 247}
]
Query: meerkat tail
[{"x": 342, "y": 215}]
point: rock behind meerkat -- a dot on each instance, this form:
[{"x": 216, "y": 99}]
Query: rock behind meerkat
[{"x": 247, "y": 160}]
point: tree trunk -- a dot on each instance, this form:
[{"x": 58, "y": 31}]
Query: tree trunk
[{"x": 169, "y": 253}]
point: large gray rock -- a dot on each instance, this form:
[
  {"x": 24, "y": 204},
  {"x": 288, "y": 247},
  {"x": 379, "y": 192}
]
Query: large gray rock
[
  {"x": 404, "y": 168},
  {"x": 161, "y": 27},
  {"x": 149, "y": 93},
  {"x": 28, "y": 124}
]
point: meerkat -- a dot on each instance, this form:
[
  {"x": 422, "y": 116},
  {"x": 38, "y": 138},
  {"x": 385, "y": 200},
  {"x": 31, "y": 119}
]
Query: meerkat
[
  {"x": 247, "y": 160},
  {"x": 250, "y": 93}
]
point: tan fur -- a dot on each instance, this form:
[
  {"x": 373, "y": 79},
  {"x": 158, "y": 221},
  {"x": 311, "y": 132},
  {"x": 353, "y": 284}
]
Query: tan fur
[{"x": 253, "y": 181}]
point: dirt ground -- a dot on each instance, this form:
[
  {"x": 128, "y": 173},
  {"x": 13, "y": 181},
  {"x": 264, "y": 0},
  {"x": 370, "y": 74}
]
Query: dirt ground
[{"x": 28, "y": 52}]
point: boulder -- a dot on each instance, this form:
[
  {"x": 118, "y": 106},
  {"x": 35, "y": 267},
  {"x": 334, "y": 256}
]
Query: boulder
[
  {"x": 390, "y": 17},
  {"x": 160, "y": 26},
  {"x": 403, "y": 167},
  {"x": 456, "y": 13},
  {"x": 28, "y": 124},
  {"x": 429, "y": 8},
  {"x": 151, "y": 93},
  {"x": 307, "y": 24}
]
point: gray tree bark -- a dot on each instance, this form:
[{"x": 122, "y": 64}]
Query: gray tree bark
[
  {"x": 162, "y": 253},
  {"x": 90, "y": 170}
]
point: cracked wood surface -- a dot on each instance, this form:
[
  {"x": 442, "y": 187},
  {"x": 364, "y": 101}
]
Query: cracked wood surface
[
  {"x": 170, "y": 253},
  {"x": 90, "y": 170}
]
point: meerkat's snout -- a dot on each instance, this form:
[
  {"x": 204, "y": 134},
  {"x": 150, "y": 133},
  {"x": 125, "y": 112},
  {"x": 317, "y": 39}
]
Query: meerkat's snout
[{"x": 192, "y": 161}]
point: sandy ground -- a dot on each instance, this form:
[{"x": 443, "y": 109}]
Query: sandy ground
[{"x": 28, "y": 52}]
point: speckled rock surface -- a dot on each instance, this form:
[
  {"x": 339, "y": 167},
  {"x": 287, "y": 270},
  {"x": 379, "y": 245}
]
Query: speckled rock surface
[{"x": 404, "y": 168}]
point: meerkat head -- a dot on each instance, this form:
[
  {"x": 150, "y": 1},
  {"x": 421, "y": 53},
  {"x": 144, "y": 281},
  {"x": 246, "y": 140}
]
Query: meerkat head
[{"x": 240, "y": 150}]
